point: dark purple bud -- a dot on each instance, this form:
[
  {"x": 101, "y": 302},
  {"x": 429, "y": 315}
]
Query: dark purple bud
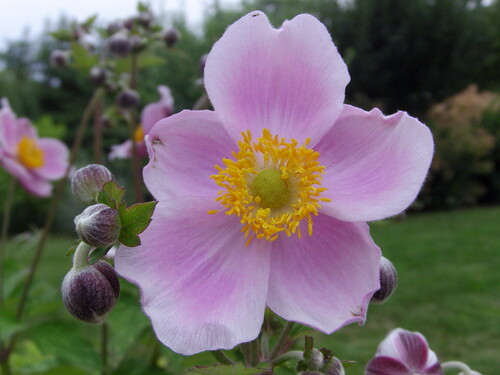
[
  {"x": 128, "y": 99},
  {"x": 129, "y": 23},
  {"x": 119, "y": 44},
  {"x": 171, "y": 36},
  {"x": 334, "y": 367},
  {"x": 388, "y": 281},
  {"x": 88, "y": 181},
  {"x": 98, "y": 75},
  {"x": 59, "y": 58},
  {"x": 98, "y": 225},
  {"x": 90, "y": 293},
  {"x": 145, "y": 18},
  {"x": 203, "y": 61},
  {"x": 114, "y": 27}
]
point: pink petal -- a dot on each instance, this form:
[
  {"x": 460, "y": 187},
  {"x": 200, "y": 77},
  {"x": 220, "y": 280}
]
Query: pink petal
[
  {"x": 155, "y": 112},
  {"x": 375, "y": 165},
  {"x": 8, "y": 128},
  {"x": 411, "y": 348},
  {"x": 183, "y": 150},
  {"x": 32, "y": 183},
  {"x": 289, "y": 80},
  {"x": 202, "y": 288},
  {"x": 121, "y": 151},
  {"x": 325, "y": 280},
  {"x": 55, "y": 159},
  {"x": 386, "y": 366}
]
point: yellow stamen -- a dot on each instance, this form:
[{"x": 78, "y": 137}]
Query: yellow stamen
[
  {"x": 138, "y": 134},
  {"x": 29, "y": 154},
  {"x": 271, "y": 185}
]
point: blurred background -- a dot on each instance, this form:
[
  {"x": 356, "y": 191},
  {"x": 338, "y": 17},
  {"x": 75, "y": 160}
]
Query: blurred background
[{"x": 439, "y": 60}]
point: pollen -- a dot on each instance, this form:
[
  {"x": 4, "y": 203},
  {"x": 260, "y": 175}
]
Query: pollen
[
  {"x": 29, "y": 154},
  {"x": 138, "y": 134},
  {"x": 272, "y": 184}
]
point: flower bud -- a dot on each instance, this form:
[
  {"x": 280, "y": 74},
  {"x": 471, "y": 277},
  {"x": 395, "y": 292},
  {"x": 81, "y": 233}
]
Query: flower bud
[
  {"x": 59, "y": 58},
  {"x": 119, "y": 44},
  {"x": 145, "y": 18},
  {"x": 98, "y": 225},
  {"x": 90, "y": 293},
  {"x": 114, "y": 27},
  {"x": 128, "y": 99},
  {"x": 137, "y": 43},
  {"x": 388, "y": 281},
  {"x": 171, "y": 36},
  {"x": 314, "y": 359},
  {"x": 98, "y": 75},
  {"x": 129, "y": 23},
  {"x": 88, "y": 181},
  {"x": 334, "y": 367}
]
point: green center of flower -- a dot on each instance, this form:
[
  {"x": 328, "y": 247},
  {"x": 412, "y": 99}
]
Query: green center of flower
[{"x": 270, "y": 188}]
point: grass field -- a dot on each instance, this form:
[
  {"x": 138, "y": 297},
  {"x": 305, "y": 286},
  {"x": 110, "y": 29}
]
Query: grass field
[{"x": 449, "y": 280}]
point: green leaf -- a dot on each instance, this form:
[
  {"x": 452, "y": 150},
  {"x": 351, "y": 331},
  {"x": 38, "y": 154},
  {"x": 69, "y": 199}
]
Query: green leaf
[
  {"x": 9, "y": 325},
  {"x": 83, "y": 59},
  {"x": 89, "y": 22},
  {"x": 98, "y": 254},
  {"x": 62, "y": 35},
  {"x": 142, "y": 7},
  {"x": 135, "y": 219},
  {"x": 111, "y": 194},
  {"x": 237, "y": 369}
]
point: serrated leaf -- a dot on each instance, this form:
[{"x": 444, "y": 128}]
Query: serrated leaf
[
  {"x": 82, "y": 58},
  {"x": 237, "y": 369},
  {"x": 111, "y": 194},
  {"x": 135, "y": 219},
  {"x": 98, "y": 254},
  {"x": 72, "y": 249}
]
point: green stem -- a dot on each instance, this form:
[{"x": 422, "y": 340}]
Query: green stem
[
  {"x": 458, "y": 365},
  {"x": 136, "y": 168},
  {"x": 61, "y": 184},
  {"x": 246, "y": 350},
  {"x": 222, "y": 357},
  {"x": 295, "y": 355},
  {"x": 255, "y": 346},
  {"x": 282, "y": 339},
  {"x": 104, "y": 348},
  {"x": 81, "y": 257},
  {"x": 7, "y": 208},
  {"x": 98, "y": 133}
]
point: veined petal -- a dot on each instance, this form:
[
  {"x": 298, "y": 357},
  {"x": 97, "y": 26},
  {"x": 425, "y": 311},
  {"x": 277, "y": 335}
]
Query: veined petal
[
  {"x": 375, "y": 164},
  {"x": 55, "y": 154},
  {"x": 289, "y": 80},
  {"x": 202, "y": 288},
  {"x": 408, "y": 347},
  {"x": 325, "y": 280},
  {"x": 386, "y": 366},
  {"x": 183, "y": 151}
]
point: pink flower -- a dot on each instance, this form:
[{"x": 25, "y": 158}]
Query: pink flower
[
  {"x": 263, "y": 201},
  {"x": 33, "y": 161},
  {"x": 150, "y": 115},
  {"x": 404, "y": 353}
]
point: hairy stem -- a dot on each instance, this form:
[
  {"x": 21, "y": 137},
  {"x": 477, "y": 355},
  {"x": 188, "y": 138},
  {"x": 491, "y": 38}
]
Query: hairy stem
[
  {"x": 104, "y": 348},
  {"x": 295, "y": 355},
  {"x": 458, "y": 365},
  {"x": 7, "y": 208},
  {"x": 282, "y": 339}
]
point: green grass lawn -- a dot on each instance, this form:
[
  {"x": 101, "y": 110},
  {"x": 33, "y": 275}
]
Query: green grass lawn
[{"x": 449, "y": 279}]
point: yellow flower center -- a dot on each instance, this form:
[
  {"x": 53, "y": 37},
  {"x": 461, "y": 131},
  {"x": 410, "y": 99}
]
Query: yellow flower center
[
  {"x": 29, "y": 154},
  {"x": 138, "y": 134},
  {"x": 271, "y": 185}
]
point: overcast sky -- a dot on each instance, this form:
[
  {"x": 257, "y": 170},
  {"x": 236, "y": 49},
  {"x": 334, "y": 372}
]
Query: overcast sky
[{"x": 17, "y": 16}]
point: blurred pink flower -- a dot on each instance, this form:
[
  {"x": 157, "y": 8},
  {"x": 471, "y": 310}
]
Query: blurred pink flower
[
  {"x": 150, "y": 115},
  {"x": 263, "y": 201},
  {"x": 404, "y": 353},
  {"x": 33, "y": 161}
]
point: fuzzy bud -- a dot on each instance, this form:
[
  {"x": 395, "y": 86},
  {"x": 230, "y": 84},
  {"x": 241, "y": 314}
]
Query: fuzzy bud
[
  {"x": 88, "y": 181},
  {"x": 59, "y": 58},
  {"x": 171, "y": 36},
  {"x": 128, "y": 99},
  {"x": 314, "y": 359},
  {"x": 388, "y": 281},
  {"x": 90, "y": 293},
  {"x": 119, "y": 44},
  {"x": 98, "y": 75},
  {"x": 137, "y": 43},
  {"x": 98, "y": 225},
  {"x": 145, "y": 18},
  {"x": 334, "y": 367}
]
